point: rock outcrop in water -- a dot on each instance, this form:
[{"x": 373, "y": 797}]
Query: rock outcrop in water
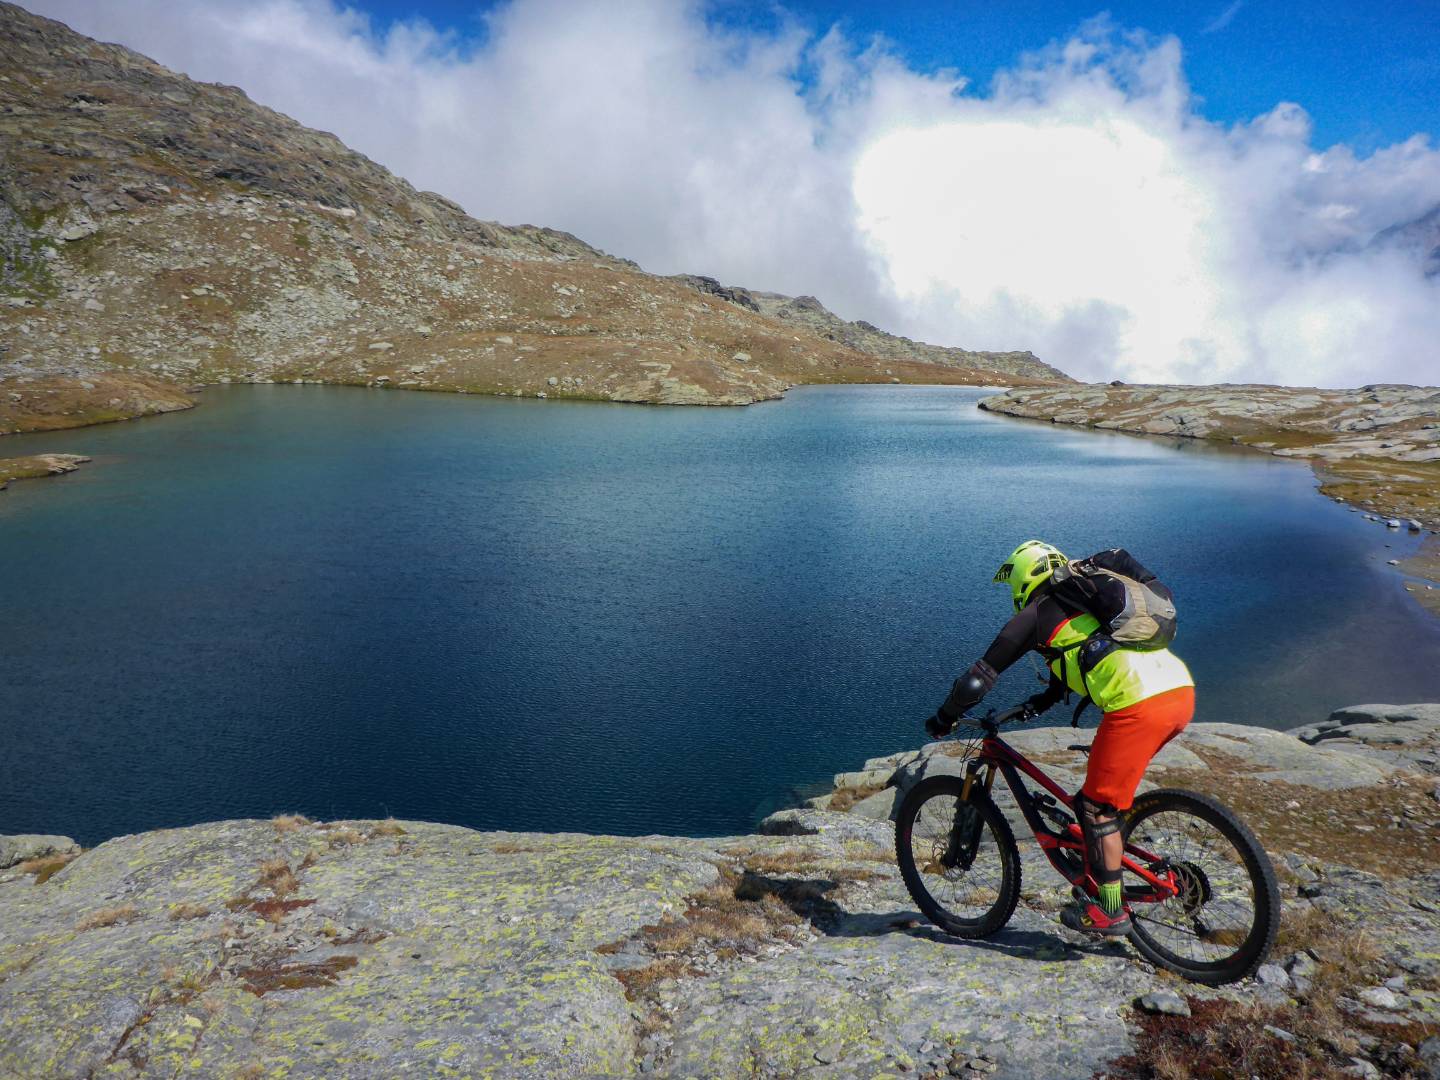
[
  {"x": 378, "y": 949},
  {"x": 25, "y": 468},
  {"x": 157, "y": 234}
]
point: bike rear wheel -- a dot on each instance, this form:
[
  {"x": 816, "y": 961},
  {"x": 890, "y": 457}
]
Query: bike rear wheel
[
  {"x": 958, "y": 857},
  {"x": 1222, "y": 924}
]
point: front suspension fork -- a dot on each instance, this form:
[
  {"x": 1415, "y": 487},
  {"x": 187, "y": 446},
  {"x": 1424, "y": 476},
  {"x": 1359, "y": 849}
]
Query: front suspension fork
[
  {"x": 972, "y": 769},
  {"x": 964, "y": 840}
]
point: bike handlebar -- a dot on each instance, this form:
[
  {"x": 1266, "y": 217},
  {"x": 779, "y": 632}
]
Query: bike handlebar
[{"x": 992, "y": 719}]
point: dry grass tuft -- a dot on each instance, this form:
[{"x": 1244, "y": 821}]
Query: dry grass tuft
[
  {"x": 866, "y": 851},
  {"x": 182, "y": 912},
  {"x": 799, "y": 861},
  {"x": 285, "y": 823},
  {"x": 47, "y": 866},
  {"x": 276, "y": 875},
  {"x": 639, "y": 980},
  {"x": 110, "y": 916},
  {"x": 510, "y": 847},
  {"x": 273, "y": 910},
  {"x": 388, "y": 827},
  {"x": 345, "y": 836},
  {"x": 265, "y": 979},
  {"x": 741, "y": 914},
  {"x": 844, "y": 798},
  {"x": 821, "y": 877}
]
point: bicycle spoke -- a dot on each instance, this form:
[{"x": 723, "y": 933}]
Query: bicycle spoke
[
  {"x": 965, "y": 891},
  {"x": 1216, "y": 910}
]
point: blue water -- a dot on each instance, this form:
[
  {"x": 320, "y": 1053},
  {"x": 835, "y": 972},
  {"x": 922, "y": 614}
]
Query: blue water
[{"x": 604, "y": 618}]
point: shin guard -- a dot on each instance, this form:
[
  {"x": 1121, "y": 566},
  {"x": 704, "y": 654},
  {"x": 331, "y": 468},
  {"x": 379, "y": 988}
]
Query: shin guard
[{"x": 1093, "y": 829}]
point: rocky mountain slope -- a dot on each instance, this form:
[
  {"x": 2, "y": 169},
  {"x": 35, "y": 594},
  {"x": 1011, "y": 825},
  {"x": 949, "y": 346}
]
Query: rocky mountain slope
[
  {"x": 1377, "y": 447},
  {"x": 158, "y": 234},
  {"x": 808, "y": 312},
  {"x": 377, "y": 949}
]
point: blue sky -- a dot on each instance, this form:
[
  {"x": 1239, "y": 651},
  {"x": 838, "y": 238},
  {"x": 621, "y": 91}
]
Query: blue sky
[{"x": 1368, "y": 73}]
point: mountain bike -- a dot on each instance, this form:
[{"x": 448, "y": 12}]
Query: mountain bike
[{"x": 1200, "y": 889}]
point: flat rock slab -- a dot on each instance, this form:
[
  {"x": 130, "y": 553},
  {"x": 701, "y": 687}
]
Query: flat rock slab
[
  {"x": 865, "y": 1006},
  {"x": 1400, "y": 736},
  {"x": 407, "y": 949},
  {"x": 439, "y": 950}
]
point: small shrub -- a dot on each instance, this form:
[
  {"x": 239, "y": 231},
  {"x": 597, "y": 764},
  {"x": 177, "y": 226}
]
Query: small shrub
[{"x": 388, "y": 827}]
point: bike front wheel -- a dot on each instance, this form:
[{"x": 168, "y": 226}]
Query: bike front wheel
[
  {"x": 958, "y": 857},
  {"x": 1221, "y": 925}
]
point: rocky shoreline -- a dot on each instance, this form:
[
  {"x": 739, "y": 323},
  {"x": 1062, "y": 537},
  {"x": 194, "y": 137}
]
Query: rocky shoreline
[
  {"x": 381, "y": 948},
  {"x": 1376, "y": 449}
]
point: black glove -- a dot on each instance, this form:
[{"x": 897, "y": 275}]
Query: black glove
[
  {"x": 937, "y": 727},
  {"x": 1036, "y": 704}
]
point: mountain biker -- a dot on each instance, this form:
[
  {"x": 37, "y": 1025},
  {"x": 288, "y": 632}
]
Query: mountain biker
[{"x": 1147, "y": 698}]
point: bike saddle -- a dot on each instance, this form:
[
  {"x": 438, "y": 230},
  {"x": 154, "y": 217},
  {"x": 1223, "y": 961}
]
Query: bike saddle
[{"x": 1084, "y": 748}]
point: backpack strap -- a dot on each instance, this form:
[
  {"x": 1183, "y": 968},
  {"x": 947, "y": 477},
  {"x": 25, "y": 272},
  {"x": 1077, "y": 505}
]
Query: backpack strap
[{"x": 1092, "y": 650}]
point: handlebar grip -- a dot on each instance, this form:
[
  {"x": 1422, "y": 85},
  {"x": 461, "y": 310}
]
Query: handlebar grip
[{"x": 1018, "y": 713}]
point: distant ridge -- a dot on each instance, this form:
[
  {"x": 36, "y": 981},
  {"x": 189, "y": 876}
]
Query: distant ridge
[{"x": 810, "y": 313}]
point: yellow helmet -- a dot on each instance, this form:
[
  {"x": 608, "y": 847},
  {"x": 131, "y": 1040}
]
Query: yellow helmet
[{"x": 1028, "y": 567}]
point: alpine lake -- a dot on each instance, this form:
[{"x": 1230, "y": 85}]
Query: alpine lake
[{"x": 600, "y": 618}]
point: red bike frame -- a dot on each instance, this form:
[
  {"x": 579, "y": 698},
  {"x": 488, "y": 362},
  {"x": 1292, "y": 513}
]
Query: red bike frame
[{"x": 996, "y": 754}]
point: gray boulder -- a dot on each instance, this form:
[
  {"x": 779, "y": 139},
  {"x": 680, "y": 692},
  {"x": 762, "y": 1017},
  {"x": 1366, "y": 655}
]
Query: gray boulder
[
  {"x": 878, "y": 807},
  {"x": 1167, "y": 1002},
  {"x": 17, "y": 849}
]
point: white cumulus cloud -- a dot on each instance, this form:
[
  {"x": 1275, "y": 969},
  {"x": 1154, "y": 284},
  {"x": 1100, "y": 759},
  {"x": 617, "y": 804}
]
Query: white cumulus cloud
[{"x": 1080, "y": 206}]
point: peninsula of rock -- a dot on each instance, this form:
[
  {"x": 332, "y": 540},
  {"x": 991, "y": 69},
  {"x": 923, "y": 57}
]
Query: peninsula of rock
[{"x": 33, "y": 465}]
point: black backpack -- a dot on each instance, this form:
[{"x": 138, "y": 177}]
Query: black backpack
[{"x": 1134, "y": 608}]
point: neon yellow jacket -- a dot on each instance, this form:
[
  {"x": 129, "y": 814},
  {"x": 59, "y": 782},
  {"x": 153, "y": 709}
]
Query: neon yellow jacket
[{"x": 1123, "y": 677}]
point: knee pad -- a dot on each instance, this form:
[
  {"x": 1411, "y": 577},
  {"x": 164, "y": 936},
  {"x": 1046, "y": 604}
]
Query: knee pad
[{"x": 1094, "y": 830}]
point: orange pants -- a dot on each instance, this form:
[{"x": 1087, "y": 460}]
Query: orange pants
[{"x": 1128, "y": 738}]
